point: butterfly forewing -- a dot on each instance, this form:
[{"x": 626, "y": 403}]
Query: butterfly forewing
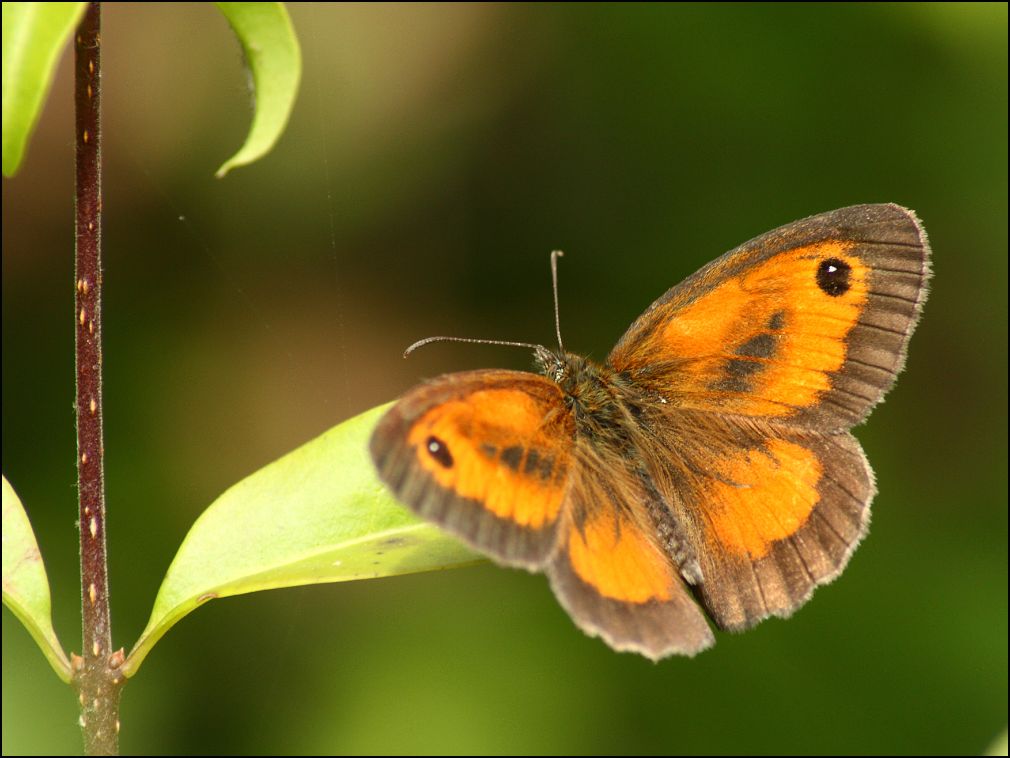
[
  {"x": 806, "y": 325},
  {"x": 486, "y": 454}
]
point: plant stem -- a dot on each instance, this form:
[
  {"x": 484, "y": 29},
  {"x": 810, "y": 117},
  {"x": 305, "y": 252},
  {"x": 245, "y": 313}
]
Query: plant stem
[{"x": 96, "y": 674}]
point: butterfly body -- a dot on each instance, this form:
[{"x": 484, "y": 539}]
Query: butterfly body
[
  {"x": 708, "y": 458},
  {"x": 602, "y": 403}
]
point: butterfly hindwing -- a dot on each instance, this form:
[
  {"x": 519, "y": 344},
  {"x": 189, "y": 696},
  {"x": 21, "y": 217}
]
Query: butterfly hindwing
[
  {"x": 485, "y": 454},
  {"x": 763, "y": 514},
  {"x": 613, "y": 575}
]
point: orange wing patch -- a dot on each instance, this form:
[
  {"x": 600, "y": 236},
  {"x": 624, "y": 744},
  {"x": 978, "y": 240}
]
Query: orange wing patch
[
  {"x": 613, "y": 578},
  {"x": 763, "y": 342},
  {"x": 762, "y": 496},
  {"x": 714, "y": 320},
  {"x": 767, "y": 519},
  {"x": 495, "y": 447},
  {"x": 619, "y": 560}
]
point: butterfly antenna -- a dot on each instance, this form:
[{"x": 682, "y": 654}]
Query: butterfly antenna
[
  {"x": 539, "y": 349},
  {"x": 555, "y": 254},
  {"x": 429, "y": 340}
]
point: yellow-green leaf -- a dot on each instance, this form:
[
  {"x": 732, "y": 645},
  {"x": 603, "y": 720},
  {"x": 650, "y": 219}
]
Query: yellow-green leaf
[
  {"x": 26, "y": 588},
  {"x": 275, "y": 64},
  {"x": 33, "y": 36},
  {"x": 319, "y": 514}
]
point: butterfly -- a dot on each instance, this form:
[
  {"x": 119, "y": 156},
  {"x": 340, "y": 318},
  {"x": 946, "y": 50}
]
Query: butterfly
[{"x": 708, "y": 460}]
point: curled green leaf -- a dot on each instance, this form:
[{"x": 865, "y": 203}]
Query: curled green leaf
[
  {"x": 319, "y": 514},
  {"x": 34, "y": 34},
  {"x": 25, "y": 585},
  {"x": 275, "y": 64}
]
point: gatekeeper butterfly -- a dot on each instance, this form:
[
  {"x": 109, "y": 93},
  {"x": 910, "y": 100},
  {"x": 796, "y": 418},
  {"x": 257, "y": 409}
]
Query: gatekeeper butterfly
[{"x": 709, "y": 458}]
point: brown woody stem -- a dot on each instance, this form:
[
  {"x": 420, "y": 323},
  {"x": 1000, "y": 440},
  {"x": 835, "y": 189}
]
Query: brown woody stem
[{"x": 96, "y": 672}]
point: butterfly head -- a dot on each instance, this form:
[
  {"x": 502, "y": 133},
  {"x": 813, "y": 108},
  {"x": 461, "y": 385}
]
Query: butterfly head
[{"x": 551, "y": 364}]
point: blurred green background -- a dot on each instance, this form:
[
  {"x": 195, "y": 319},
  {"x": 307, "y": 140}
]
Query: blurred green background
[{"x": 435, "y": 156}]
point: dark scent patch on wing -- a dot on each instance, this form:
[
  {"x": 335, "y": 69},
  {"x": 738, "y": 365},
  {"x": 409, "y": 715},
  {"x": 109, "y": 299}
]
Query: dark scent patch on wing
[
  {"x": 739, "y": 368},
  {"x": 538, "y": 464},
  {"x": 516, "y": 457},
  {"x": 738, "y": 372},
  {"x": 512, "y": 456},
  {"x": 761, "y": 346}
]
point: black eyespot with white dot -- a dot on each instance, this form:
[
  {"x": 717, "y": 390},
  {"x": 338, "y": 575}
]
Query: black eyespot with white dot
[
  {"x": 439, "y": 451},
  {"x": 833, "y": 277}
]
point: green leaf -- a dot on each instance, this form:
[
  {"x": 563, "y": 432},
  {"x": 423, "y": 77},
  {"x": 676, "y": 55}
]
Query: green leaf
[
  {"x": 999, "y": 747},
  {"x": 275, "y": 62},
  {"x": 319, "y": 514},
  {"x": 26, "y": 588},
  {"x": 33, "y": 36}
]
